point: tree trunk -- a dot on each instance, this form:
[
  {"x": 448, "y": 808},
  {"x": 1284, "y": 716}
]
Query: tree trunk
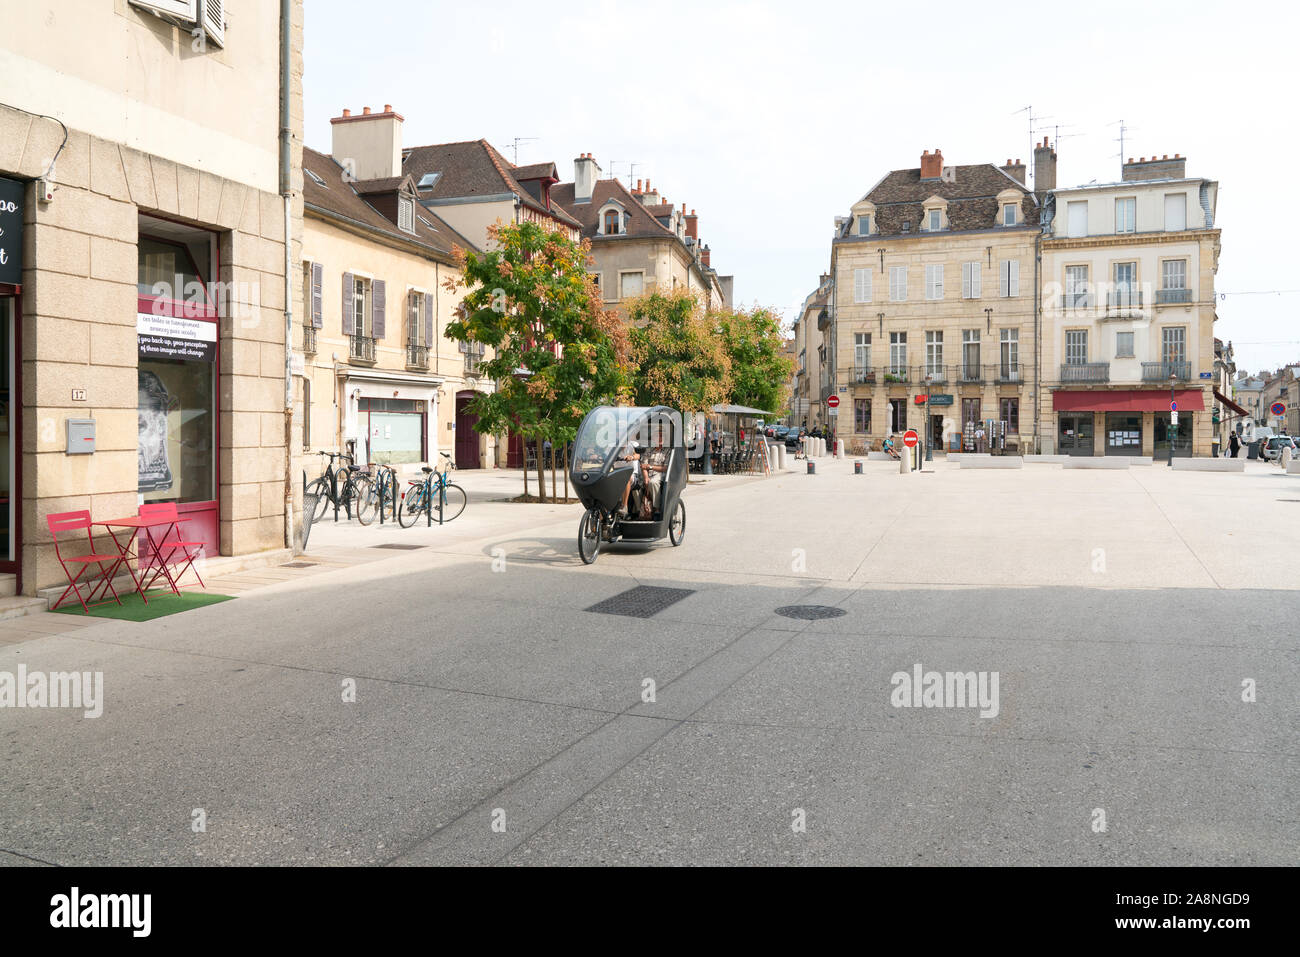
[
  {"x": 552, "y": 471},
  {"x": 564, "y": 467},
  {"x": 541, "y": 472},
  {"x": 523, "y": 445}
]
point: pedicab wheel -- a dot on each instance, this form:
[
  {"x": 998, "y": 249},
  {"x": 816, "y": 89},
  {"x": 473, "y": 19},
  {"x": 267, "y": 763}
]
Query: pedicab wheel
[
  {"x": 589, "y": 536},
  {"x": 677, "y": 525}
]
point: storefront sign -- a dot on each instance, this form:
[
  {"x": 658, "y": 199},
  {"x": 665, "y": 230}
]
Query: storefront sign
[
  {"x": 169, "y": 337},
  {"x": 11, "y": 231}
]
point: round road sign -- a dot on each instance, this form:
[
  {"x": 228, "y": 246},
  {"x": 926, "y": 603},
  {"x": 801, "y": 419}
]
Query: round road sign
[
  {"x": 1278, "y": 408},
  {"x": 833, "y": 401},
  {"x": 1173, "y": 406},
  {"x": 910, "y": 438}
]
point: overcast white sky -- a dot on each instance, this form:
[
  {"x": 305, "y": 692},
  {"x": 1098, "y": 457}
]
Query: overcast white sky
[{"x": 771, "y": 118}]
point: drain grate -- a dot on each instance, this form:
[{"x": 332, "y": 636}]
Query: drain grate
[
  {"x": 810, "y": 612},
  {"x": 298, "y": 565},
  {"x": 397, "y": 545},
  {"x": 1289, "y": 500},
  {"x": 643, "y": 601}
]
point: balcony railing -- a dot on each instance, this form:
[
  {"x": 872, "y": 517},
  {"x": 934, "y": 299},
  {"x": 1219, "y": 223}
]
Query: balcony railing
[
  {"x": 1085, "y": 372},
  {"x": 309, "y": 340},
  {"x": 1164, "y": 371},
  {"x": 1123, "y": 301},
  {"x": 864, "y": 375},
  {"x": 897, "y": 375},
  {"x": 1008, "y": 373},
  {"x": 970, "y": 374},
  {"x": 472, "y": 363},
  {"x": 362, "y": 349},
  {"x": 1167, "y": 296},
  {"x": 936, "y": 375},
  {"x": 417, "y": 356}
]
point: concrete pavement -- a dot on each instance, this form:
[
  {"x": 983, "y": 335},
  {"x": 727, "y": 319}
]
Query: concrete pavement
[{"x": 1118, "y": 608}]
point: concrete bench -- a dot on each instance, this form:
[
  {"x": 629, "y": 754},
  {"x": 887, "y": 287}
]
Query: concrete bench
[
  {"x": 1293, "y": 468},
  {"x": 1046, "y": 459},
  {"x": 1096, "y": 462},
  {"x": 992, "y": 462},
  {"x": 1209, "y": 465}
]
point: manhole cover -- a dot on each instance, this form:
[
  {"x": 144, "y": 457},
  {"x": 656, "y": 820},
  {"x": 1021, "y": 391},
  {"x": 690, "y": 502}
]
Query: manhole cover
[
  {"x": 405, "y": 548},
  {"x": 643, "y": 601},
  {"x": 810, "y": 612},
  {"x": 1289, "y": 500},
  {"x": 298, "y": 565}
]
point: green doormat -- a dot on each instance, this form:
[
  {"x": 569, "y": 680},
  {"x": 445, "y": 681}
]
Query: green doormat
[{"x": 132, "y": 608}]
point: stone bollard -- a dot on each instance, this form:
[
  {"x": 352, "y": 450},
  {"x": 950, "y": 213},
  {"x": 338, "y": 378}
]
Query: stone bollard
[
  {"x": 780, "y": 456},
  {"x": 905, "y": 461},
  {"x": 839, "y": 448},
  {"x": 1285, "y": 459},
  {"x": 857, "y": 466},
  {"x": 821, "y": 448}
]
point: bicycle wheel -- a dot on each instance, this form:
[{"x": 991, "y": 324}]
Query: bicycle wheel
[
  {"x": 318, "y": 497},
  {"x": 410, "y": 507},
  {"x": 455, "y": 498},
  {"x": 677, "y": 524},
  {"x": 589, "y": 536},
  {"x": 363, "y": 493}
]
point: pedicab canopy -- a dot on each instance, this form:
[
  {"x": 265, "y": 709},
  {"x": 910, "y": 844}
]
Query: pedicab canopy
[{"x": 607, "y": 430}]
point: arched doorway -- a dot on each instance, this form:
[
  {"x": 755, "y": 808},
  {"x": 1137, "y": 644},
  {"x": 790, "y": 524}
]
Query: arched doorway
[{"x": 467, "y": 437}]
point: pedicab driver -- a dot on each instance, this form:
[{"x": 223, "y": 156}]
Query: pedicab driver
[
  {"x": 656, "y": 466},
  {"x": 629, "y": 454}
]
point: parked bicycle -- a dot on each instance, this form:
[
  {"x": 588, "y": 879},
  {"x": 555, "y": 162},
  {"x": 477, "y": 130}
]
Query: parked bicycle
[
  {"x": 435, "y": 495},
  {"x": 386, "y": 492},
  {"x": 345, "y": 486}
]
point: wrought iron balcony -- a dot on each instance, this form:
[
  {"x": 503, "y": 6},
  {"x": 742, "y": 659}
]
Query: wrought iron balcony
[
  {"x": 1085, "y": 372},
  {"x": 935, "y": 375},
  {"x": 864, "y": 375},
  {"x": 362, "y": 349},
  {"x": 417, "y": 356},
  {"x": 1168, "y": 296},
  {"x": 897, "y": 375},
  {"x": 309, "y": 340},
  {"x": 970, "y": 374},
  {"x": 1123, "y": 302},
  {"x": 1008, "y": 373},
  {"x": 1164, "y": 371}
]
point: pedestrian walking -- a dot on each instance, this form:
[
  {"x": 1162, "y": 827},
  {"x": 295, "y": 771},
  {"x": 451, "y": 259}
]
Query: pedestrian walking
[{"x": 1234, "y": 445}]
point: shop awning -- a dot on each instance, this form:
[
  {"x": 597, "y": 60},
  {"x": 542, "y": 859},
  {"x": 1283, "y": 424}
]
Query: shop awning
[
  {"x": 1219, "y": 396},
  {"x": 1126, "y": 400}
]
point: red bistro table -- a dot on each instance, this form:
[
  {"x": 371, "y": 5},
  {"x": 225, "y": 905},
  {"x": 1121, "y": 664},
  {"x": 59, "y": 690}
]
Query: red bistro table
[{"x": 127, "y": 534}]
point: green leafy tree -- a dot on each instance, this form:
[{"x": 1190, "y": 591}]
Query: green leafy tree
[
  {"x": 680, "y": 359},
  {"x": 760, "y": 374},
  {"x": 555, "y": 351}
]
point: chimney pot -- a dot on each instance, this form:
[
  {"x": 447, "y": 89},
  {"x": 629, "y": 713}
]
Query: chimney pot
[
  {"x": 365, "y": 111},
  {"x": 1130, "y": 159},
  {"x": 388, "y": 107},
  {"x": 1166, "y": 156},
  {"x": 347, "y": 112}
]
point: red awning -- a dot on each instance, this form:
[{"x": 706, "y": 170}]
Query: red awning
[
  {"x": 1229, "y": 403},
  {"x": 1127, "y": 400}
]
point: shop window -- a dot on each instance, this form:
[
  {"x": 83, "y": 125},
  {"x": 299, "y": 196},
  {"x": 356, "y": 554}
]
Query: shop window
[
  {"x": 862, "y": 416},
  {"x": 394, "y": 430},
  {"x": 1009, "y": 412}
]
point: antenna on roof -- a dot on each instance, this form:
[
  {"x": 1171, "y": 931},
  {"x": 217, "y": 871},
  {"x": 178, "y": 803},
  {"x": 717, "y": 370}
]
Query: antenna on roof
[
  {"x": 631, "y": 169},
  {"x": 1033, "y": 138},
  {"x": 1123, "y": 130},
  {"x": 515, "y": 145}
]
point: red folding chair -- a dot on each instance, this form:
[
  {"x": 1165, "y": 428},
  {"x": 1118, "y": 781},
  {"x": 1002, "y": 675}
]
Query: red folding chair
[
  {"x": 73, "y": 522},
  {"x": 165, "y": 552}
]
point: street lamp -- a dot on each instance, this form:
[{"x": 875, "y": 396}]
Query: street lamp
[{"x": 1173, "y": 414}]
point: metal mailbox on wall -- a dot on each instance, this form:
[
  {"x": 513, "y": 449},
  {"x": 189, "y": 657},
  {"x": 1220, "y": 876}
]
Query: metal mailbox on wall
[{"x": 81, "y": 436}]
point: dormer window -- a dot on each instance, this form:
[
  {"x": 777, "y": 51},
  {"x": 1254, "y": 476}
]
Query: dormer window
[
  {"x": 611, "y": 222},
  {"x": 934, "y": 216},
  {"x": 936, "y": 220},
  {"x": 405, "y": 214},
  {"x": 864, "y": 225},
  {"x": 1008, "y": 215},
  {"x": 1009, "y": 201}
]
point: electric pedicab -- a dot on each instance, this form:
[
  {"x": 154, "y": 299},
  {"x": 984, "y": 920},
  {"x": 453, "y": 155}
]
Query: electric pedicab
[{"x": 613, "y": 444}]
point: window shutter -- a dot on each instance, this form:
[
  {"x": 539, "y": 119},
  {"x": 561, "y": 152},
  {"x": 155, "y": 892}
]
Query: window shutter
[
  {"x": 862, "y": 285},
  {"x": 428, "y": 319},
  {"x": 377, "y": 309},
  {"x": 317, "y": 279},
  {"x": 463, "y": 346},
  {"x": 214, "y": 20},
  {"x": 1013, "y": 279},
  {"x": 348, "y": 292}
]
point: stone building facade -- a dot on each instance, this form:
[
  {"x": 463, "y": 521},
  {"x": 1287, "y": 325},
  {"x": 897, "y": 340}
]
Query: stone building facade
[{"x": 151, "y": 302}]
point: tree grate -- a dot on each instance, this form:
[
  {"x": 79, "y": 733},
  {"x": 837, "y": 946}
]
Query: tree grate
[
  {"x": 810, "y": 612},
  {"x": 398, "y": 545},
  {"x": 643, "y": 601}
]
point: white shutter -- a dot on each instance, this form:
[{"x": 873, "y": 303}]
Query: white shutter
[
  {"x": 1175, "y": 211},
  {"x": 1078, "y": 219},
  {"x": 183, "y": 9},
  {"x": 898, "y": 283},
  {"x": 1009, "y": 281},
  {"x": 213, "y": 20},
  {"x": 970, "y": 280},
  {"x": 862, "y": 285},
  {"x": 934, "y": 282}
]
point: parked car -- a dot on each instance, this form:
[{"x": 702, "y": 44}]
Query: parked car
[
  {"x": 1272, "y": 448},
  {"x": 792, "y": 438}
]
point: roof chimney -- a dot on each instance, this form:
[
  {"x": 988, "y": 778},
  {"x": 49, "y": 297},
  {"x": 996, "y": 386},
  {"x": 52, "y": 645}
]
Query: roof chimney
[
  {"x": 704, "y": 257},
  {"x": 368, "y": 146},
  {"x": 1155, "y": 167},
  {"x": 692, "y": 224},
  {"x": 1044, "y": 169},
  {"x": 1015, "y": 170},
  {"x": 585, "y": 174},
  {"x": 931, "y": 165}
]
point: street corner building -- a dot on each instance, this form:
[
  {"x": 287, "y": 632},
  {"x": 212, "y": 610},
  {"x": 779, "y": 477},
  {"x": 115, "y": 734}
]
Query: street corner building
[
  {"x": 150, "y": 164},
  {"x": 380, "y": 379}
]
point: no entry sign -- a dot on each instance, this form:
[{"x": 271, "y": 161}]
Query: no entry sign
[
  {"x": 833, "y": 401},
  {"x": 910, "y": 438}
]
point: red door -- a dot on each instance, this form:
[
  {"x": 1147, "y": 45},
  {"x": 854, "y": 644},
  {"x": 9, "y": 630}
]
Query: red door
[{"x": 467, "y": 438}]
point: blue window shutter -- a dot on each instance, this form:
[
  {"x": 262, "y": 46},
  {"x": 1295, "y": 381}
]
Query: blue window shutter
[
  {"x": 348, "y": 285},
  {"x": 377, "y": 309}
]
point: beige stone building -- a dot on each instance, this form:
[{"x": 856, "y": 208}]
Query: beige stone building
[
  {"x": 150, "y": 208},
  {"x": 807, "y": 405},
  {"x": 639, "y": 241},
  {"x": 1129, "y": 311},
  {"x": 932, "y": 306},
  {"x": 379, "y": 379}
]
